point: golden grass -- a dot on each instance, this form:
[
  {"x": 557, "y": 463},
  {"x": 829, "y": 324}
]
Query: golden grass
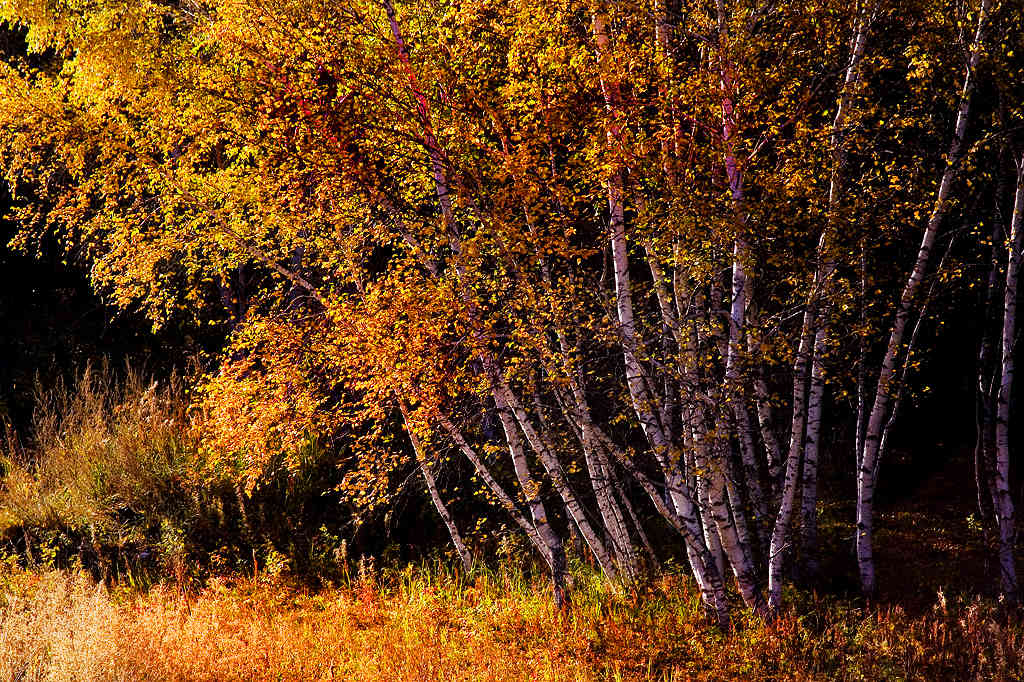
[
  {"x": 100, "y": 445},
  {"x": 426, "y": 625}
]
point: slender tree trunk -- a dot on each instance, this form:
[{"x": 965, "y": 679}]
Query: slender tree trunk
[
  {"x": 503, "y": 396},
  {"x": 809, "y": 470},
  {"x": 531, "y": 491},
  {"x": 509, "y": 403},
  {"x": 860, "y": 427},
  {"x": 539, "y": 542},
  {"x": 821, "y": 293},
  {"x": 984, "y": 390},
  {"x": 641, "y": 394},
  {"x": 426, "y": 467},
  {"x": 645, "y": 541},
  {"x": 636, "y": 380},
  {"x": 766, "y": 421},
  {"x": 742, "y": 285},
  {"x": 728, "y": 533},
  {"x": 866, "y": 474},
  {"x": 684, "y": 519},
  {"x": 1003, "y": 498},
  {"x": 598, "y": 466},
  {"x": 783, "y": 521},
  {"x": 711, "y": 538}
]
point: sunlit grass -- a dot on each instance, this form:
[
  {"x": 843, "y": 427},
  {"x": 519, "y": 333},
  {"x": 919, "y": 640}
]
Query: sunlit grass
[{"x": 426, "y": 623}]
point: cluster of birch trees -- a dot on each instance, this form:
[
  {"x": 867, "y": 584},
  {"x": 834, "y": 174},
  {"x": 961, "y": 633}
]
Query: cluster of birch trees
[{"x": 616, "y": 267}]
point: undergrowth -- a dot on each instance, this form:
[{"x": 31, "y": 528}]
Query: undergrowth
[
  {"x": 426, "y": 623},
  {"x": 111, "y": 475},
  {"x": 124, "y": 559}
]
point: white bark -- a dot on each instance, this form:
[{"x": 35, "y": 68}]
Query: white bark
[
  {"x": 508, "y": 402},
  {"x": 783, "y": 520},
  {"x": 504, "y": 398},
  {"x": 820, "y": 292},
  {"x": 640, "y": 392},
  {"x": 496, "y": 488},
  {"x": 766, "y": 421},
  {"x": 866, "y": 474},
  {"x": 1003, "y": 499},
  {"x": 742, "y": 283},
  {"x": 807, "y": 407},
  {"x": 684, "y": 520},
  {"x": 531, "y": 491},
  {"x": 598, "y": 466},
  {"x": 642, "y": 396},
  {"x": 426, "y": 468},
  {"x": 809, "y": 470},
  {"x": 728, "y": 533}
]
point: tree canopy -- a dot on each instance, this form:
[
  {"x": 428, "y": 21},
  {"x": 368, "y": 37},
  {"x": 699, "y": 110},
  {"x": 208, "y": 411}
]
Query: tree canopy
[{"x": 611, "y": 261}]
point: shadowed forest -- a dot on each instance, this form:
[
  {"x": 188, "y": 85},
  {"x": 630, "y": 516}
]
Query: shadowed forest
[{"x": 402, "y": 339}]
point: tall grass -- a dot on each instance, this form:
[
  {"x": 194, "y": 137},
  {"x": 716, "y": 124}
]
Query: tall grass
[
  {"x": 423, "y": 623},
  {"x": 104, "y": 467},
  {"x": 98, "y": 447},
  {"x": 113, "y": 475}
]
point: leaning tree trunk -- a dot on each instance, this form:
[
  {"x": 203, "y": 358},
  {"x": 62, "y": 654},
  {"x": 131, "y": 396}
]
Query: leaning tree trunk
[
  {"x": 868, "y": 466},
  {"x": 985, "y": 379},
  {"x": 538, "y": 512},
  {"x": 820, "y": 295},
  {"x": 801, "y": 472},
  {"x": 641, "y": 395},
  {"x": 783, "y": 520},
  {"x": 426, "y": 466}
]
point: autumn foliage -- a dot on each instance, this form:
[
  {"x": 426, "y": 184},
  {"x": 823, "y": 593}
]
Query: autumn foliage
[{"x": 619, "y": 271}]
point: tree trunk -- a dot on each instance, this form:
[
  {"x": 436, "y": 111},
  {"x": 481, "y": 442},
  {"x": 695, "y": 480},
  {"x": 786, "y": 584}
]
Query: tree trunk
[
  {"x": 820, "y": 296},
  {"x": 783, "y": 521},
  {"x": 1003, "y": 499},
  {"x": 531, "y": 491},
  {"x": 866, "y": 474},
  {"x": 426, "y": 467},
  {"x": 809, "y": 471}
]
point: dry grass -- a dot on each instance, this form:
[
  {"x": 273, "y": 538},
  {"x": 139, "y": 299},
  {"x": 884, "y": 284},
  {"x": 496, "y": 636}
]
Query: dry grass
[
  {"x": 99, "y": 446},
  {"x": 427, "y": 625},
  {"x": 107, "y": 465}
]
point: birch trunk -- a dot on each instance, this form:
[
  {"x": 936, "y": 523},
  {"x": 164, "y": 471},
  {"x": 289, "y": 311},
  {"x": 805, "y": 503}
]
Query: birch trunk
[
  {"x": 679, "y": 511},
  {"x": 598, "y": 466},
  {"x": 531, "y": 491},
  {"x": 742, "y": 283},
  {"x": 531, "y": 531},
  {"x": 728, "y": 533},
  {"x": 1003, "y": 499},
  {"x": 985, "y": 389},
  {"x": 783, "y": 521},
  {"x": 641, "y": 394},
  {"x": 627, "y": 504},
  {"x": 766, "y": 421},
  {"x": 809, "y": 470},
  {"x": 711, "y": 538},
  {"x": 820, "y": 294},
  {"x": 508, "y": 403},
  {"x": 866, "y": 474},
  {"x": 425, "y": 467},
  {"x": 502, "y": 394},
  {"x": 639, "y": 390}
]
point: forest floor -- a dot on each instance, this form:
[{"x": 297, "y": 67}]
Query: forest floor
[{"x": 426, "y": 623}]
